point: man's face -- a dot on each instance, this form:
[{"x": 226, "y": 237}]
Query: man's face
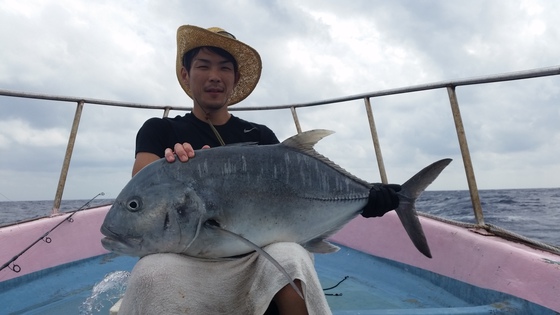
[{"x": 211, "y": 80}]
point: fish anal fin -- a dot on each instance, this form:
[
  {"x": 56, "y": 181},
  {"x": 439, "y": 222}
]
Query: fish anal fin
[{"x": 320, "y": 246}]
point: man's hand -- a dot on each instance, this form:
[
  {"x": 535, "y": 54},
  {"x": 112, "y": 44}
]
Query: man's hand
[
  {"x": 183, "y": 151},
  {"x": 382, "y": 199}
]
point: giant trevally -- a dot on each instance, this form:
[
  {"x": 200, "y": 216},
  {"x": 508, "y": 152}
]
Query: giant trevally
[{"x": 286, "y": 192}]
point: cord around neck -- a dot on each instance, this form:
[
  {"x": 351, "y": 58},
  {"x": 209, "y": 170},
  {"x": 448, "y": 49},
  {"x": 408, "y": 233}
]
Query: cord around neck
[{"x": 215, "y": 130}]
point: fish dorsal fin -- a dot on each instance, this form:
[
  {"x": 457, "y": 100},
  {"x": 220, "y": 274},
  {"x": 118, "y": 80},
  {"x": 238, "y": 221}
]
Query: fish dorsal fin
[
  {"x": 304, "y": 143},
  {"x": 306, "y": 140}
]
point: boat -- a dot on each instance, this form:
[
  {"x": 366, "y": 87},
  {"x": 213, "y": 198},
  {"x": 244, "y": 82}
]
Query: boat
[{"x": 55, "y": 264}]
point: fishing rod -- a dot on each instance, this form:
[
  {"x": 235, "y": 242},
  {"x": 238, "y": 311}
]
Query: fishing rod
[{"x": 16, "y": 268}]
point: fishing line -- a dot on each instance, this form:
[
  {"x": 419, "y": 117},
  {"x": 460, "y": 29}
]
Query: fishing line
[
  {"x": 334, "y": 286},
  {"x": 5, "y": 197},
  {"x": 265, "y": 254},
  {"x": 45, "y": 237}
]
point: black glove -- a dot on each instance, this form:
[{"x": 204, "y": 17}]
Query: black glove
[{"x": 382, "y": 199}]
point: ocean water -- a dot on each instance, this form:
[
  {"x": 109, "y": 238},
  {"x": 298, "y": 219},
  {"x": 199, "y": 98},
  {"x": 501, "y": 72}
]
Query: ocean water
[
  {"x": 17, "y": 211},
  {"x": 534, "y": 213}
]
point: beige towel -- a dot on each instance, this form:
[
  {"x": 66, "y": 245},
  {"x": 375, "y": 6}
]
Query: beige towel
[{"x": 177, "y": 284}]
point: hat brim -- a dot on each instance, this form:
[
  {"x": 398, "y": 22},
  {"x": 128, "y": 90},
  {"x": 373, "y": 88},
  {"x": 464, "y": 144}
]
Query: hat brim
[{"x": 248, "y": 59}]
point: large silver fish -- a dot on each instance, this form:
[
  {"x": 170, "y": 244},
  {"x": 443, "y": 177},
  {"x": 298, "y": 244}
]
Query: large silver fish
[{"x": 265, "y": 194}]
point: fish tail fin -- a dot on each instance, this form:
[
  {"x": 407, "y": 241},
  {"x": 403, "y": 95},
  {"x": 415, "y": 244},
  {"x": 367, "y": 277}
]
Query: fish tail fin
[{"x": 406, "y": 210}]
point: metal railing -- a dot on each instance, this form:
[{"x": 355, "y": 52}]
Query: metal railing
[{"x": 450, "y": 86}]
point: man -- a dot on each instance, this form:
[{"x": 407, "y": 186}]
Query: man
[{"x": 216, "y": 71}]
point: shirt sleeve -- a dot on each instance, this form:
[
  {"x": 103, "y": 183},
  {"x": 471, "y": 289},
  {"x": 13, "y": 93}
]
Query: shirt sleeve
[{"x": 152, "y": 137}]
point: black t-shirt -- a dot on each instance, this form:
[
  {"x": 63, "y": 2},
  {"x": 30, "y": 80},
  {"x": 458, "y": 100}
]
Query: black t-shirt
[{"x": 157, "y": 134}]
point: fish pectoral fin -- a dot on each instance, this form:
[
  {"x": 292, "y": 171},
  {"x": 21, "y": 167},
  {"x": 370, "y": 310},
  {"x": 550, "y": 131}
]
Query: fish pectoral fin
[{"x": 320, "y": 246}]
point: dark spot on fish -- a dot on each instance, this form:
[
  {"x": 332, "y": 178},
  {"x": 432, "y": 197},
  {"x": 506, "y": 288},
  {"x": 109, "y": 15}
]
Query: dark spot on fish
[
  {"x": 134, "y": 204},
  {"x": 166, "y": 222},
  {"x": 212, "y": 222}
]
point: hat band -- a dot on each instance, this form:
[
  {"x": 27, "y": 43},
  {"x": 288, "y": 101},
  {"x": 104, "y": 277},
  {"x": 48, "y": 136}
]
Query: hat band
[{"x": 226, "y": 34}]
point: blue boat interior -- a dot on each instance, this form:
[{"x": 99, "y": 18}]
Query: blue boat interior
[{"x": 361, "y": 284}]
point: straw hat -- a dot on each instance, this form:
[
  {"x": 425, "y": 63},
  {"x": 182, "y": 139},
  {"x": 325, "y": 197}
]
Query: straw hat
[{"x": 248, "y": 59}]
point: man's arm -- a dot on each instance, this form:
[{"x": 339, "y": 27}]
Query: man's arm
[{"x": 143, "y": 159}]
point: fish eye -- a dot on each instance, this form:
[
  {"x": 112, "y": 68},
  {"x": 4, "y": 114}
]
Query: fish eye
[{"x": 134, "y": 204}]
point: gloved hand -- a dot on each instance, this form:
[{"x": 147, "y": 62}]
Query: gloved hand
[{"x": 382, "y": 199}]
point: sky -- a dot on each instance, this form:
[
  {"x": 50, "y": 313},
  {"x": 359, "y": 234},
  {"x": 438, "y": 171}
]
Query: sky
[{"x": 311, "y": 50}]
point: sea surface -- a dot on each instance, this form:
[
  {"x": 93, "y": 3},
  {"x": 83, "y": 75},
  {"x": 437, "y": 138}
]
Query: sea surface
[{"x": 534, "y": 213}]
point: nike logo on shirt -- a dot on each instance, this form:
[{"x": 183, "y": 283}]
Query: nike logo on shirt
[{"x": 249, "y": 130}]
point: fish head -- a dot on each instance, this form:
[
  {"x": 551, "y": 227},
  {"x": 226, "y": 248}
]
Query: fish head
[{"x": 154, "y": 213}]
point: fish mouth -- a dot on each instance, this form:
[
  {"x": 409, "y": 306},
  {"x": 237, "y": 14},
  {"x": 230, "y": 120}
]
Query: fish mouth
[{"x": 116, "y": 243}]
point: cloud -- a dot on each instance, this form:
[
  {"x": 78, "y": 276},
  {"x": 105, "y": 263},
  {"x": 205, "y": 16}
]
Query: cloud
[
  {"x": 311, "y": 50},
  {"x": 18, "y": 133}
]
